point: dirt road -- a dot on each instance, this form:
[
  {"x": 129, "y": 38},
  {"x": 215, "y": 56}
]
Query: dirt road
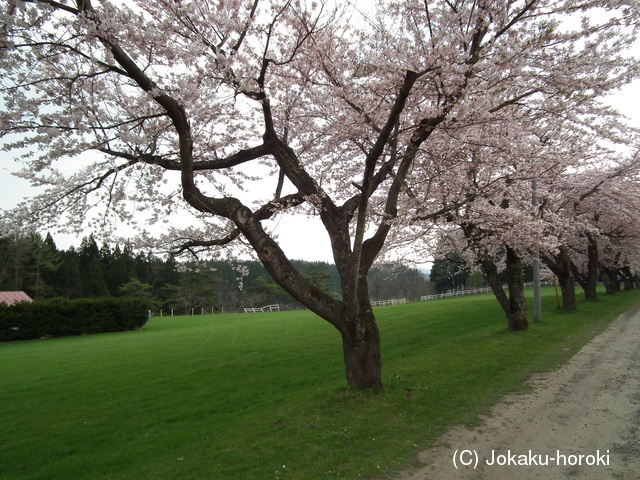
[{"x": 580, "y": 422}]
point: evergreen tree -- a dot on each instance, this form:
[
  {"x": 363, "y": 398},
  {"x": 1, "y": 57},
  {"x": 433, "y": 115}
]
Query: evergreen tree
[
  {"x": 120, "y": 269},
  {"x": 194, "y": 291},
  {"x": 265, "y": 291},
  {"x": 70, "y": 278},
  {"x": 397, "y": 281},
  {"x": 6, "y": 262},
  {"x": 92, "y": 269},
  {"x": 449, "y": 273},
  {"x": 322, "y": 276},
  {"x": 43, "y": 266},
  {"x": 20, "y": 265}
]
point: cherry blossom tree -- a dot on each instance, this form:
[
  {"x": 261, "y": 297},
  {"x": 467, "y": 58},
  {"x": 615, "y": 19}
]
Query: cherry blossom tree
[
  {"x": 477, "y": 171},
  {"x": 616, "y": 212},
  {"x": 612, "y": 210},
  {"x": 483, "y": 200},
  {"x": 592, "y": 213},
  {"x": 489, "y": 220},
  {"x": 243, "y": 111}
]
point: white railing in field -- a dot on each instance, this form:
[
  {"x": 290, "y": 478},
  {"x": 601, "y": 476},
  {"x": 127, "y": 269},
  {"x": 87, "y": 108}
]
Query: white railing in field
[
  {"x": 475, "y": 291},
  {"x": 393, "y": 301},
  {"x": 266, "y": 308}
]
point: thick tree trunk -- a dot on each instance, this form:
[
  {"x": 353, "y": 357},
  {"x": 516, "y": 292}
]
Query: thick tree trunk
[
  {"x": 593, "y": 256},
  {"x": 513, "y": 305},
  {"x": 361, "y": 348},
  {"x": 588, "y": 280},
  {"x": 352, "y": 316},
  {"x": 517, "y": 303},
  {"x": 567, "y": 286},
  {"x": 561, "y": 266},
  {"x": 628, "y": 278},
  {"x": 360, "y": 338},
  {"x": 610, "y": 280},
  {"x": 491, "y": 272}
]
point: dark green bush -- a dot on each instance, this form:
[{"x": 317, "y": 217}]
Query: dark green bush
[{"x": 60, "y": 317}]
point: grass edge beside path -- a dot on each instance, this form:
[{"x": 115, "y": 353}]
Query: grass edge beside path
[{"x": 570, "y": 332}]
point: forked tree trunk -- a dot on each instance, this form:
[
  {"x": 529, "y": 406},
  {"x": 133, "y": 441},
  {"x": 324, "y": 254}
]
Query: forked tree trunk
[
  {"x": 560, "y": 265},
  {"x": 568, "y": 288},
  {"x": 588, "y": 280},
  {"x": 513, "y": 305},
  {"x": 610, "y": 280},
  {"x": 628, "y": 278},
  {"x": 352, "y": 317}
]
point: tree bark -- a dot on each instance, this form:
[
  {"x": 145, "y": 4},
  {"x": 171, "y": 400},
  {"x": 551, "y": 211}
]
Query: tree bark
[
  {"x": 361, "y": 349},
  {"x": 517, "y": 303},
  {"x": 610, "y": 279},
  {"x": 491, "y": 271},
  {"x": 513, "y": 305},
  {"x": 628, "y": 278},
  {"x": 567, "y": 286},
  {"x": 592, "y": 270},
  {"x": 360, "y": 334},
  {"x": 560, "y": 264},
  {"x": 588, "y": 280}
]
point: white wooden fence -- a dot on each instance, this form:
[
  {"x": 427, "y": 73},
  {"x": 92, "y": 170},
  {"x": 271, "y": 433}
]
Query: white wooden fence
[
  {"x": 266, "y": 308},
  {"x": 393, "y": 301},
  {"x": 476, "y": 291}
]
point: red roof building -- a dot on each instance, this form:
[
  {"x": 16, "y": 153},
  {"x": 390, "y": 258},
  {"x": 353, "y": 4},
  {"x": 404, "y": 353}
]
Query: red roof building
[{"x": 14, "y": 297}]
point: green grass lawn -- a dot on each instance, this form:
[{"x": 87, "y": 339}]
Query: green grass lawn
[{"x": 262, "y": 396}]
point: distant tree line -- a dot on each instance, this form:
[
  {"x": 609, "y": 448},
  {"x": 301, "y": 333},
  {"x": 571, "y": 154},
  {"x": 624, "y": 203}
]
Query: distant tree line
[{"x": 35, "y": 265}]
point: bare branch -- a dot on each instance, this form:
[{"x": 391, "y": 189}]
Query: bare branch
[
  {"x": 514, "y": 100},
  {"x": 56, "y": 5},
  {"x": 528, "y": 7},
  {"x": 217, "y": 164},
  {"x": 243, "y": 34},
  {"x": 190, "y": 245}
]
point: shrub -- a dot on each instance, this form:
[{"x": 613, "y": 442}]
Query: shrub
[{"x": 60, "y": 317}]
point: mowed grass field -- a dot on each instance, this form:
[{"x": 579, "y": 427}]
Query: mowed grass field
[{"x": 262, "y": 396}]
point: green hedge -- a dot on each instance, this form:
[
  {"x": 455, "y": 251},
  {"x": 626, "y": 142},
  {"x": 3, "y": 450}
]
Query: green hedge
[{"x": 60, "y": 317}]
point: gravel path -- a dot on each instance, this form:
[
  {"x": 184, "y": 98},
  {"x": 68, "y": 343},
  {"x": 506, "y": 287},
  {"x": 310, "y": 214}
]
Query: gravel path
[{"x": 589, "y": 408}]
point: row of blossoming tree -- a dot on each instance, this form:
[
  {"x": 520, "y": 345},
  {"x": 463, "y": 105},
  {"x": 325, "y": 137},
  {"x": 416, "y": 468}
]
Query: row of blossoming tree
[{"x": 389, "y": 123}]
